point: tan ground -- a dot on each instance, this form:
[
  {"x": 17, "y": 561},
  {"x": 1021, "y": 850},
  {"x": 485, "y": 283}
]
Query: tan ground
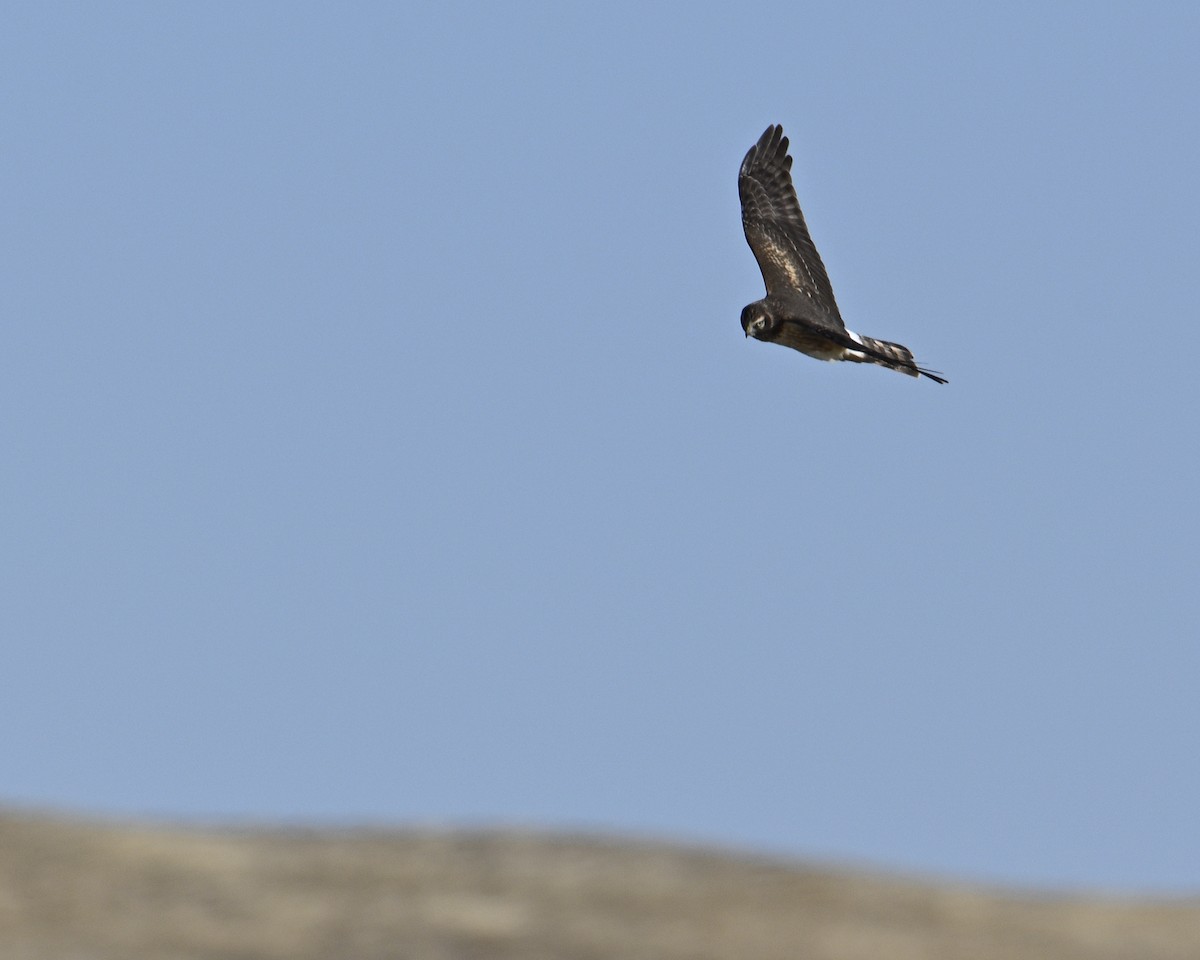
[{"x": 85, "y": 891}]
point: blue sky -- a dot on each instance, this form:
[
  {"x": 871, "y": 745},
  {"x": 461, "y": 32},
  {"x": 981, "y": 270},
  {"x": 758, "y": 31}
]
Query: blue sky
[{"x": 381, "y": 443}]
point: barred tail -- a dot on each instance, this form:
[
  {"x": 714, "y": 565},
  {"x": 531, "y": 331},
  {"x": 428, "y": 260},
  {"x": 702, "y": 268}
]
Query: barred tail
[{"x": 892, "y": 355}]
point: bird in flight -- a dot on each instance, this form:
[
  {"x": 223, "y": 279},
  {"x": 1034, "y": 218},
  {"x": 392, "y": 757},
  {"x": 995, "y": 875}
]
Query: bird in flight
[{"x": 799, "y": 310}]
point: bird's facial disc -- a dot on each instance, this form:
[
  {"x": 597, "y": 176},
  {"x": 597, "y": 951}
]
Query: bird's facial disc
[{"x": 754, "y": 321}]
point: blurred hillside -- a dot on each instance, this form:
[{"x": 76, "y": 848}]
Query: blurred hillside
[{"x": 72, "y": 890}]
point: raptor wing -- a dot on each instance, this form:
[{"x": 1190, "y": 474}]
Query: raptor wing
[{"x": 775, "y": 227}]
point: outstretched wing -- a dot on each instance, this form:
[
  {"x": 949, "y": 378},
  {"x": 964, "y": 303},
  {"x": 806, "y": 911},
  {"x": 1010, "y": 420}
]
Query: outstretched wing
[{"x": 775, "y": 227}]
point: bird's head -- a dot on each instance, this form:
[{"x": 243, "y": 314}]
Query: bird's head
[{"x": 758, "y": 321}]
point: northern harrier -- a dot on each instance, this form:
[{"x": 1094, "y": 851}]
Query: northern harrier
[{"x": 799, "y": 310}]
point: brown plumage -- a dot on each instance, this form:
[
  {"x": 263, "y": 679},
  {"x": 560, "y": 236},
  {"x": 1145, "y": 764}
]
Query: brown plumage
[{"x": 799, "y": 310}]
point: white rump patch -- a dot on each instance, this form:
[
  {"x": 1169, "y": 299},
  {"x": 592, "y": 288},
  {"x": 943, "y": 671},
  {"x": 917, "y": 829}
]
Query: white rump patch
[{"x": 855, "y": 337}]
